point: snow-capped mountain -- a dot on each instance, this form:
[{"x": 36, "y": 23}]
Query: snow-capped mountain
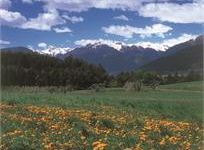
[
  {"x": 53, "y": 51},
  {"x": 118, "y": 56},
  {"x": 118, "y": 45},
  {"x": 97, "y": 43},
  {"x": 114, "y": 56},
  {"x": 124, "y": 58}
]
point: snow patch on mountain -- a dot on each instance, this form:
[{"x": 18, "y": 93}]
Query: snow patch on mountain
[
  {"x": 53, "y": 51},
  {"x": 118, "y": 45},
  {"x": 96, "y": 43}
]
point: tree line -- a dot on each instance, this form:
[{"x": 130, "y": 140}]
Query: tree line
[
  {"x": 150, "y": 78},
  {"x": 33, "y": 69}
]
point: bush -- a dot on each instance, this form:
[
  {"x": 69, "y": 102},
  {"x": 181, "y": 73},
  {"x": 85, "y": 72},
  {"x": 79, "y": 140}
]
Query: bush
[
  {"x": 154, "y": 85},
  {"x": 52, "y": 90},
  {"x": 133, "y": 86},
  {"x": 96, "y": 87}
]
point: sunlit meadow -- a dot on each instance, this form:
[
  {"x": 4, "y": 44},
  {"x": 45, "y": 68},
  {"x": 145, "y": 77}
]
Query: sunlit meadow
[{"x": 109, "y": 119}]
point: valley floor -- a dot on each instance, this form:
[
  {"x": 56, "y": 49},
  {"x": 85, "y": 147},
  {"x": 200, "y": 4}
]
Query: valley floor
[{"x": 167, "y": 118}]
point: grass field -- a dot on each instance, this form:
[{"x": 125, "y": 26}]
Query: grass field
[{"x": 167, "y": 118}]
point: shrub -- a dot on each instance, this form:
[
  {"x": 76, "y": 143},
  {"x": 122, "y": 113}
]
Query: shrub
[
  {"x": 154, "y": 85},
  {"x": 133, "y": 86},
  {"x": 95, "y": 87},
  {"x": 51, "y": 90}
]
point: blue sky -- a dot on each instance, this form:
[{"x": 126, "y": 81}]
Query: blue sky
[{"x": 71, "y": 23}]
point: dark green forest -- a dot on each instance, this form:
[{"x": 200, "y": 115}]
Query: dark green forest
[
  {"x": 33, "y": 69},
  {"x": 151, "y": 77}
]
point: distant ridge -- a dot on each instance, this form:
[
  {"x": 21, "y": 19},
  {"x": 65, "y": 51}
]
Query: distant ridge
[{"x": 16, "y": 49}]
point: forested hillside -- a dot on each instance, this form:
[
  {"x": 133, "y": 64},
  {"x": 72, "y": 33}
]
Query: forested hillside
[
  {"x": 33, "y": 69},
  {"x": 185, "y": 60}
]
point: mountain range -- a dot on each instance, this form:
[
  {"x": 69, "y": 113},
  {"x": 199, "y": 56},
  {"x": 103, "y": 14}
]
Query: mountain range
[
  {"x": 183, "y": 57},
  {"x": 114, "y": 61}
]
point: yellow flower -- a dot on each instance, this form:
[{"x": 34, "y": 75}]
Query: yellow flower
[
  {"x": 97, "y": 145},
  {"x": 162, "y": 142},
  {"x": 174, "y": 139}
]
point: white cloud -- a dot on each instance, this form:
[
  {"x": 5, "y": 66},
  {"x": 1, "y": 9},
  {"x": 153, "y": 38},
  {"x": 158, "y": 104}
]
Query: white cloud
[
  {"x": 131, "y": 5},
  {"x": 121, "y": 17},
  {"x": 125, "y": 31},
  {"x": 164, "y": 10},
  {"x": 5, "y": 4},
  {"x": 44, "y": 21},
  {"x": 42, "y": 45},
  {"x": 84, "y": 5},
  {"x": 3, "y": 42},
  {"x": 174, "y": 12},
  {"x": 128, "y": 31},
  {"x": 14, "y": 19},
  {"x": 73, "y": 19},
  {"x": 62, "y": 30},
  {"x": 27, "y": 1},
  {"x": 68, "y": 5}
]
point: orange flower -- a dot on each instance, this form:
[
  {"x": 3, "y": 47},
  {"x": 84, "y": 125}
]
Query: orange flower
[
  {"x": 162, "y": 142},
  {"x": 99, "y": 145}
]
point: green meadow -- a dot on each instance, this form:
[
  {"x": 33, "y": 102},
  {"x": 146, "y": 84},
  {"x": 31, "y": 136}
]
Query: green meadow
[{"x": 169, "y": 117}]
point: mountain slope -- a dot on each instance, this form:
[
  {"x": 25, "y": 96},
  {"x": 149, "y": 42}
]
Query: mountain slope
[
  {"x": 140, "y": 55},
  {"x": 187, "y": 59},
  {"x": 178, "y": 47},
  {"x": 16, "y": 49},
  {"x": 114, "y": 61},
  {"x": 111, "y": 59}
]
